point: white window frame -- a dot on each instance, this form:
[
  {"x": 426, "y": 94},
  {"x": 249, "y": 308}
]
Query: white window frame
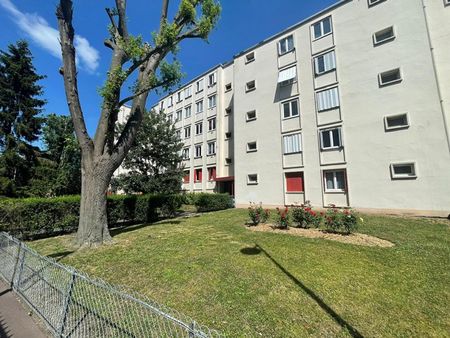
[
  {"x": 198, "y": 149},
  {"x": 248, "y": 118},
  {"x": 170, "y": 101},
  {"x": 186, "y": 151},
  {"x": 170, "y": 117},
  {"x": 404, "y": 176},
  {"x": 404, "y": 126},
  {"x": 178, "y": 133},
  {"x": 333, "y": 146},
  {"x": 383, "y": 84},
  {"x": 178, "y": 115},
  {"x": 250, "y": 150},
  {"x": 319, "y": 93},
  {"x": 211, "y": 148},
  {"x": 199, "y": 85},
  {"x": 290, "y": 109},
  {"x": 199, "y": 128},
  {"x": 187, "y": 130},
  {"x": 250, "y": 86},
  {"x": 286, "y": 146},
  {"x": 322, "y": 33},
  {"x": 250, "y": 57},
  {"x": 186, "y": 110},
  {"x": 179, "y": 96},
  {"x": 380, "y": 42},
  {"x": 212, "y": 121},
  {"x": 328, "y": 66},
  {"x": 289, "y": 81},
  {"x": 212, "y": 79},
  {"x": 187, "y": 92},
  {"x": 228, "y": 87},
  {"x": 371, "y": 3},
  {"x": 285, "y": 41},
  {"x": 197, "y": 105},
  {"x": 446, "y": 2},
  {"x": 250, "y": 181},
  {"x": 210, "y": 99},
  {"x": 335, "y": 180}
]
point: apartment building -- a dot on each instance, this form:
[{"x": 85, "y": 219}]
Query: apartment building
[{"x": 349, "y": 107}]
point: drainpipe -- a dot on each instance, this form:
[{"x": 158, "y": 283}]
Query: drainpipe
[{"x": 433, "y": 59}]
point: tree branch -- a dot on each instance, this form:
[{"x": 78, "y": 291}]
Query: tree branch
[
  {"x": 165, "y": 8},
  {"x": 64, "y": 13}
]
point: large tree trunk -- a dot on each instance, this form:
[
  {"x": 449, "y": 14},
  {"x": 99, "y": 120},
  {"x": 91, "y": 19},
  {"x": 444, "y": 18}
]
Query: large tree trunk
[{"x": 93, "y": 225}]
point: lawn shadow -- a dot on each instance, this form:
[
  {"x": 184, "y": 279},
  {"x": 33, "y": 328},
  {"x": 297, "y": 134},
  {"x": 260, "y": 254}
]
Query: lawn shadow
[
  {"x": 124, "y": 229},
  {"x": 4, "y": 331},
  {"x": 257, "y": 249},
  {"x": 57, "y": 256},
  {"x": 4, "y": 292}
]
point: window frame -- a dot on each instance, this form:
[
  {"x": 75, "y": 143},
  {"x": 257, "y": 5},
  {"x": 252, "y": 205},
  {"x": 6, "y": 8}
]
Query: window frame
[
  {"x": 320, "y": 22},
  {"x": 249, "y": 119},
  {"x": 196, "y": 171},
  {"x": 290, "y": 108},
  {"x": 179, "y": 96},
  {"x": 213, "y": 82},
  {"x": 392, "y": 82},
  {"x": 250, "y": 89},
  {"x": 386, "y": 40},
  {"x": 214, "y": 171},
  {"x": 285, "y": 40},
  {"x": 228, "y": 87},
  {"x": 300, "y": 150},
  {"x": 334, "y": 189},
  {"x": 446, "y": 2},
  {"x": 300, "y": 175},
  {"x": 249, "y": 150},
  {"x": 187, "y": 92},
  {"x": 179, "y": 115},
  {"x": 405, "y": 126},
  {"x": 332, "y": 147},
  {"x": 395, "y": 176},
  {"x": 199, "y": 88},
  {"x": 250, "y": 57},
  {"x": 215, "y": 101},
  {"x": 316, "y": 72},
  {"x": 187, "y": 151},
  {"x": 188, "y": 128},
  {"x": 208, "y": 153},
  {"x": 197, "y": 104},
  {"x": 209, "y": 123},
  {"x": 199, "y": 125},
  {"x": 252, "y": 182},
  {"x": 372, "y": 3},
  {"x": 170, "y": 101},
  {"x": 326, "y": 90},
  {"x": 196, "y": 147}
]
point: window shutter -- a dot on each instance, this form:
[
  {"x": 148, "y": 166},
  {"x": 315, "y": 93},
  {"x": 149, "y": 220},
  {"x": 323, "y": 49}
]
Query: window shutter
[{"x": 328, "y": 99}]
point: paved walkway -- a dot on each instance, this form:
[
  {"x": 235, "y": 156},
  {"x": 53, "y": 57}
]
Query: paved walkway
[{"x": 14, "y": 319}]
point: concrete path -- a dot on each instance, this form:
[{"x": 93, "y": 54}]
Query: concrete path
[{"x": 14, "y": 319}]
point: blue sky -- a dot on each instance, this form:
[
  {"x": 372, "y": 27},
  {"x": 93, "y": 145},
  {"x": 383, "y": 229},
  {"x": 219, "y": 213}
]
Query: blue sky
[{"x": 243, "y": 23}]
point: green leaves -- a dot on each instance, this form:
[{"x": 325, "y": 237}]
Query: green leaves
[{"x": 112, "y": 86}]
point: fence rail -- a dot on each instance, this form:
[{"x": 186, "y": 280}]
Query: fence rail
[{"x": 74, "y": 305}]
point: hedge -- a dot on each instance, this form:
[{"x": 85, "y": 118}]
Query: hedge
[
  {"x": 43, "y": 216},
  {"x": 212, "y": 202}
]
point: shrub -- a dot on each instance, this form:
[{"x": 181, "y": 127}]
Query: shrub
[
  {"x": 345, "y": 221},
  {"x": 258, "y": 214},
  {"x": 283, "y": 218},
  {"x": 212, "y": 202},
  {"x": 305, "y": 217}
]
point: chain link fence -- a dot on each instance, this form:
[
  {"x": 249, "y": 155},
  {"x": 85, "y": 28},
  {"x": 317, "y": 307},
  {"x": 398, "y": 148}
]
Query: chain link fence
[{"x": 75, "y": 305}]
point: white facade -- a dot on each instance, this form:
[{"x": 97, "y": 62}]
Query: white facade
[{"x": 349, "y": 107}]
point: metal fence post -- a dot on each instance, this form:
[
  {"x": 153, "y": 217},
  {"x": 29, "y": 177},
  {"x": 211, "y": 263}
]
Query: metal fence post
[
  {"x": 66, "y": 305},
  {"x": 192, "y": 330},
  {"x": 22, "y": 263},
  {"x": 11, "y": 284}
]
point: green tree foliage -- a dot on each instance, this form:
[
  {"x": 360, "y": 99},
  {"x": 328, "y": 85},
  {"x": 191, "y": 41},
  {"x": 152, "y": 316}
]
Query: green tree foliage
[
  {"x": 153, "y": 163},
  {"x": 20, "y": 123}
]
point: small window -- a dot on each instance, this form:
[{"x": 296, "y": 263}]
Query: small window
[
  {"x": 228, "y": 87},
  {"x": 250, "y": 57},
  {"x": 330, "y": 138},
  {"x": 199, "y": 106},
  {"x": 198, "y": 175},
  {"x": 251, "y": 147},
  {"x": 285, "y": 45},
  {"x": 187, "y": 132},
  {"x": 446, "y": 2},
  {"x": 228, "y": 111},
  {"x": 251, "y": 115},
  {"x": 325, "y": 63},
  {"x": 187, "y": 92},
  {"x": 228, "y": 135},
  {"x": 403, "y": 170},
  {"x": 179, "y": 96},
  {"x": 198, "y": 151},
  {"x": 199, "y": 85},
  {"x": 186, "y": 177},
  {"x": 322, "y": 28},
  {"x": 211, "y": 173},
  {"x": 179, "y": 116},
  {"x": 292, "y": 144},
  {"x": 198, "y": 128},
  {"x": 212, "y": 124},
  {"x": 170, "y": 101},
  {"x": 390, "y": 77},
  {"x": 170, "y": 117},
  {"x": 178, "y": 134},
  {"x": 290, "y": 109},
  {"x": 374, "y": 2},
  {"x": 327, "y": 99},
  {"x": 399, "y": 121},
  {"x": 211, "y": 148},
  {"x": 161, "y": 105},
  {"x": 228, "y": 161},
  {"x": 212, "y": 79},
  {"x": 186, "y": 153},
  {"x": 334, "y": 181},
  {"x": 287, "y": 76},
  {"x": 383, "y": 36},
  {"x": 212, "y": 101},
  {"x": 252, "y": 179},
  {"x": 294, "y": 182},
  {"x": 251, "y": 85}
]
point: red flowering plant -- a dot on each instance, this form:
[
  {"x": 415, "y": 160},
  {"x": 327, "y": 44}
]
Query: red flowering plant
[
  {"x": 283, "y": 218},
  {"x": 305, "y": 217},
  {"x": 342, "y": 221},
  {"x": 257, "y": 213}
]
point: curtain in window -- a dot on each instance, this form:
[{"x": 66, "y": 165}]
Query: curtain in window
[
  {"x": 292, "y": 144},
  {"x": 328, "y": 99}
]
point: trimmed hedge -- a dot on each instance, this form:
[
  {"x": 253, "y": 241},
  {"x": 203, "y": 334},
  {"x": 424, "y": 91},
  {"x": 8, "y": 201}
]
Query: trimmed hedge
[
  {"x": 212, "y": 202},
  {"x": 43, "y": 216}
]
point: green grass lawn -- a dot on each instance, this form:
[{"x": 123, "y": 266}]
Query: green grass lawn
[{"x": 246, "y": 283}]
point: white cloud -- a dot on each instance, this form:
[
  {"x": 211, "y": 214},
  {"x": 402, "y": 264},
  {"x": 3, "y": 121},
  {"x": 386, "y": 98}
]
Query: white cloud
[{"x": 47, "y": 37}]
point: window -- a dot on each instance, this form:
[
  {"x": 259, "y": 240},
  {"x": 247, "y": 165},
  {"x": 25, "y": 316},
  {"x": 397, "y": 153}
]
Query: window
[
  {"x": 399, "y": 121},
  {"x": 285, "y": 45},
  {"x": 187, "y": 92},
  {"x": 330, "y": 138},
  {"x": 211, "y": 148},
  {"x": 188, "y": 111},
  {"x": 290, "y": 109},
  {"x": 334, "y": 181},
  {"x": 292, "y": 144},
  {"x": 179, "y": 97},
  {"x": 287, "y": 76},
  {"x": 179, "y": 115},
  {"x": 403, "y": 170},
  {"x": 199, "y": 85},
  {"x": 212, "y": 79},
  {"x": 327, "y": 99},
  {"x": 251, "y": 85},
  {"x": 228, "y": 135},
  {"x": 228, "y": 111},
  {"x": 374, "y": 2},
  {"x": 161, "y": 105},
  {"x": 294, "y": 182},
  {"x": 187, "y": 132},
  {"x": 384, "y": 35},
  {"x": 250, "y": 57},
  {"x": 186, "y": 177},
  {"x": 170, "y": 118},
  {"x": 446, "y": 2},
  {"x": 170, "y": 101},
  {"x": 325, "y": 63},
  {"x": 228, "y": 161},
  {"x": 199, "y": 106},
  {"x": 198, "y": 128},
  {"x": 251, "y": 147},
  {"x": 178, "y": 134},
  {"x": 198, "y": 151},
  {"x": 211, "y": 173},
  {"x": 198, "y": 175},
  {"x": 228, "y": 87},
  {"x": 212, "y": 124},
  {"x": 252, "y": 179},
  {"x": 322, "y": 28},
  {"x": 186, "y": 154},
  {"x": 212, "y": 101},
  {"x": 390, "y": 77},
  {"x": 251, "y": 116}
]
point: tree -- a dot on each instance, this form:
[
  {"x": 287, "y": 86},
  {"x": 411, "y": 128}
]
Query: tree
[
  {"x": 153, "y": 162},
  {"x": 20, "y": 123},
  {"x": 131, "y": 59}
]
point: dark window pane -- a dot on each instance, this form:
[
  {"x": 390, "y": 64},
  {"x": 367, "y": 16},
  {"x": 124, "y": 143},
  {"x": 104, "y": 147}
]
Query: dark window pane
[
  {"x": 287, "y": 112},
  {"x": 294, "y": 108},
  {"x": 317, "y": 30},
  {"x": 340, "y": 180},
  {"x": 336, "y": 138},
  {"x": 397, "y": 121},
  {"x": 327, "y": 25},
  {"x": 326, "y": 139}
]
